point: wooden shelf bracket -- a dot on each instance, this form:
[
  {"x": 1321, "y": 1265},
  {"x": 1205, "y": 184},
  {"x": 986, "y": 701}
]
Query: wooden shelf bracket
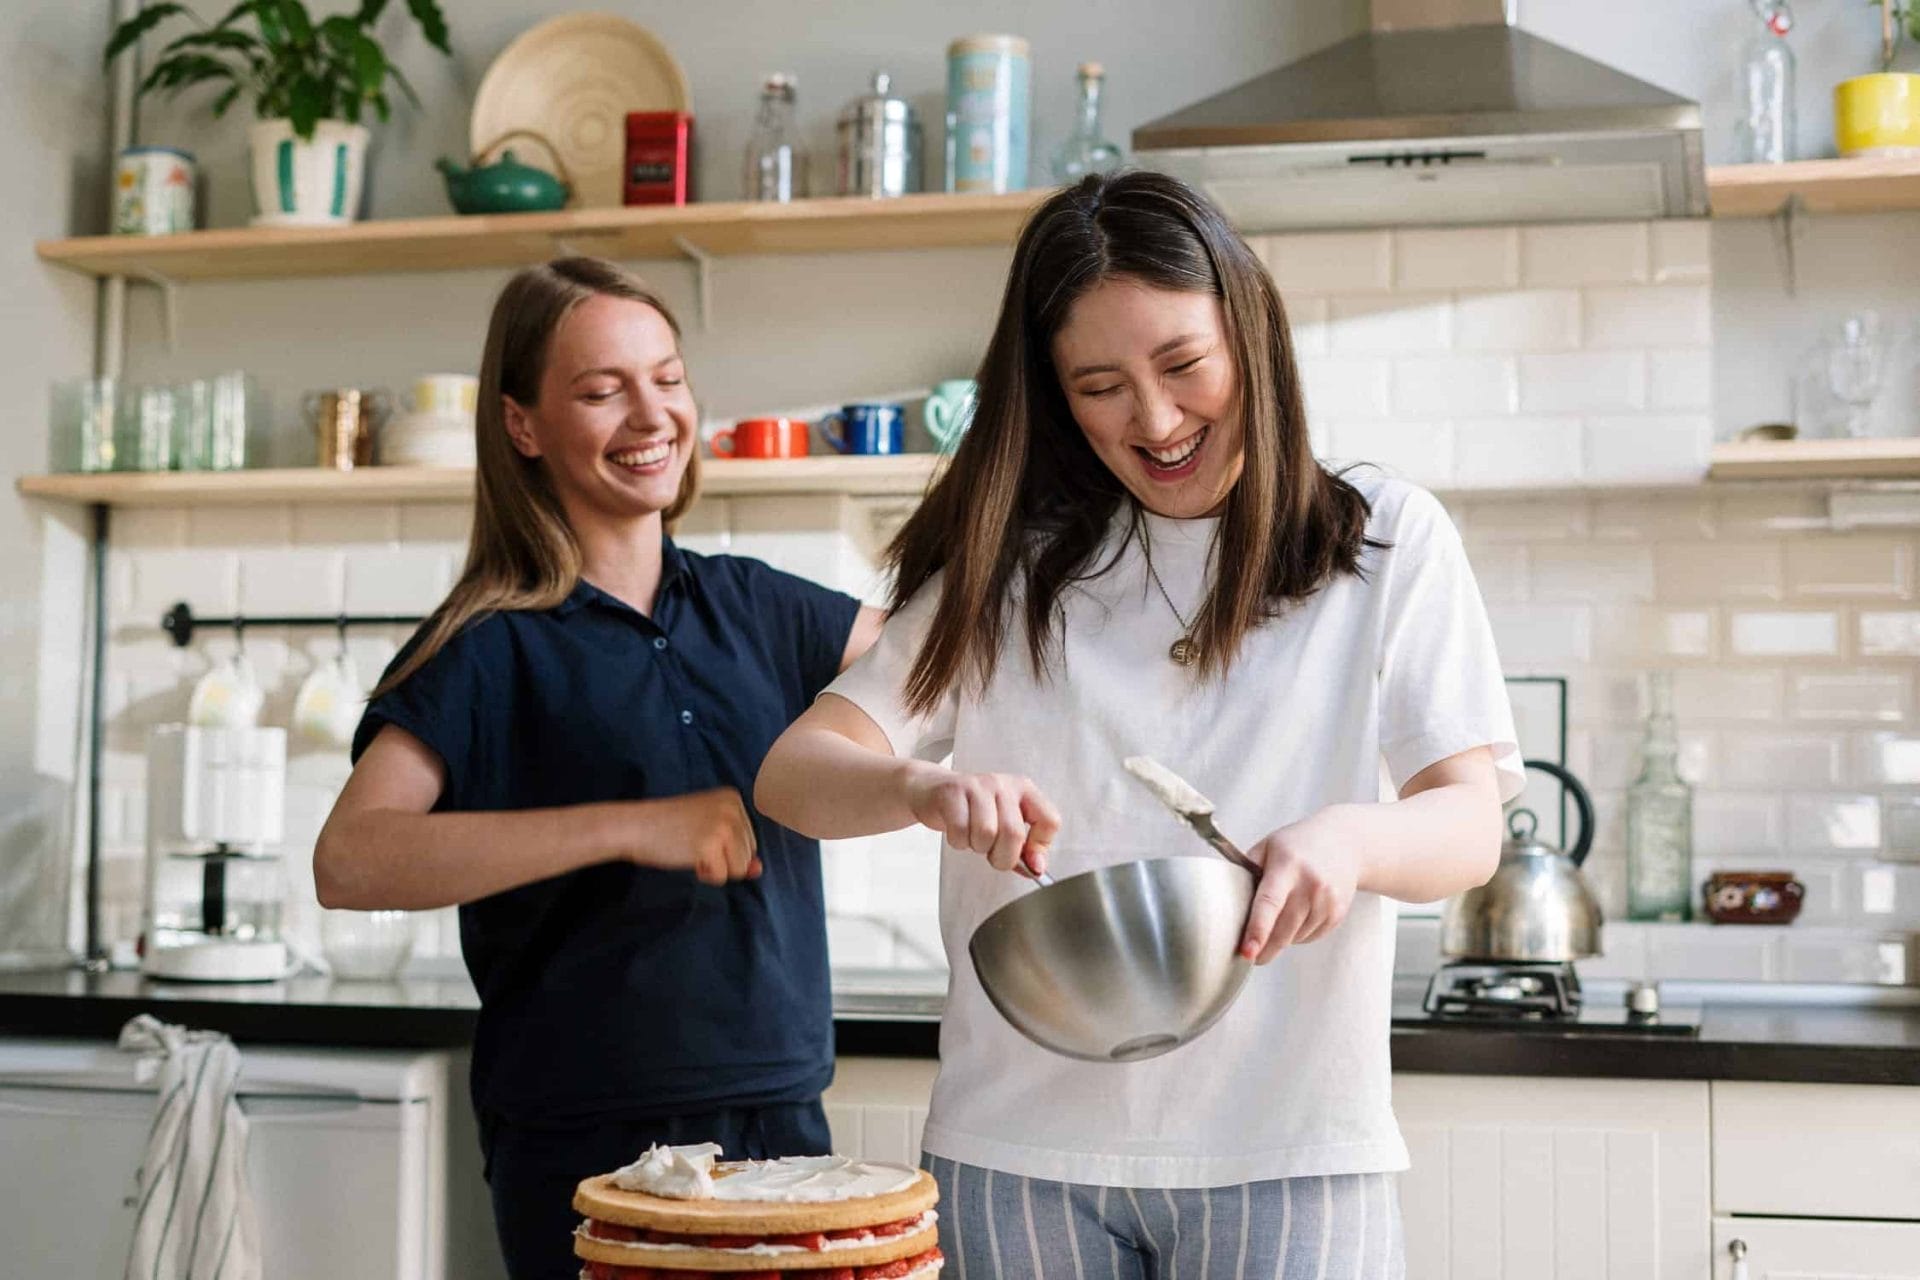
[{"x": 702, "y": 268}]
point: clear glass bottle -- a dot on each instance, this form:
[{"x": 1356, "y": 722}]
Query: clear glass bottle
[
  {"x": 1085, "y": 151},
  {"x": 1764, "y": 134},
  {"x": 1660, "y": 818},
  {"x": 776, "y": 167}
]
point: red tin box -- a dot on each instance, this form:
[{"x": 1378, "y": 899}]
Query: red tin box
[{"x": 659, "y": 166}]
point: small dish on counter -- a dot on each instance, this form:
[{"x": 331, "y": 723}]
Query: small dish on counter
[{"x": 1752, "y": 897}]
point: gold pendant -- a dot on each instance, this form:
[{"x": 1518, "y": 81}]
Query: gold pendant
[{"x": 1184, "y": 651}]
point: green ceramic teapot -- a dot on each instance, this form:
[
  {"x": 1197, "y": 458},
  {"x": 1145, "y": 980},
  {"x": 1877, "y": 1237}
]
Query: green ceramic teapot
[{"x": 506, "y": 185}]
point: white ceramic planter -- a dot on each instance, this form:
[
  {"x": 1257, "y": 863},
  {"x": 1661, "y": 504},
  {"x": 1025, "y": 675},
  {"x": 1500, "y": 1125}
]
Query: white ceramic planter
[{"x": 307, "y": 184}]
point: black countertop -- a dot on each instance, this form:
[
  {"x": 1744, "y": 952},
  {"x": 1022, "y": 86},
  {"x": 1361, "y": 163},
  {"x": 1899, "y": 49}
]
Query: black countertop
[{"x": 1824, "y": 1044}]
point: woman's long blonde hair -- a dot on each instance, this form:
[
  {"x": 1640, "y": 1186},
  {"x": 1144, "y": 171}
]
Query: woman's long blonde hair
[{"x": 522, "y": 553}]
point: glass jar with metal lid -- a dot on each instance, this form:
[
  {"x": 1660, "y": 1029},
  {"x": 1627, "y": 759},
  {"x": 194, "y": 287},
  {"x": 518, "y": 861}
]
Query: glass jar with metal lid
[{"x": 879, "y": 143}]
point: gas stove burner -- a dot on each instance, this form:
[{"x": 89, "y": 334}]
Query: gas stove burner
[{"x": 1478, "y": 990}]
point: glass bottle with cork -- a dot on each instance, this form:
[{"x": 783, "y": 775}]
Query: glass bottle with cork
[
  {"x": 1660, "y": 817},
  {"x": 1085, "y": 150},
  {"x": 776, "y": 162}
]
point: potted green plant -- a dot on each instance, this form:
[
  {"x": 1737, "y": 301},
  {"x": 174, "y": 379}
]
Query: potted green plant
[{"x": 309, "y": 81}]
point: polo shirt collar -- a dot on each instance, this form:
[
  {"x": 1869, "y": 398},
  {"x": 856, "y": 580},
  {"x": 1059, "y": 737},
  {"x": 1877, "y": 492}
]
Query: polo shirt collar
[{"x": 673, "y": 569}]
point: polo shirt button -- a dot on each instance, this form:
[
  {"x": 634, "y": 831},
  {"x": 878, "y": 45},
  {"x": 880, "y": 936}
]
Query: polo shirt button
[
  {"x": 659, "y": 642},
  {"x": 686, "y": 717}
]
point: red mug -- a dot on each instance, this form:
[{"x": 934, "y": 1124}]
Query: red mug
[{"x": 761, "y": 438}]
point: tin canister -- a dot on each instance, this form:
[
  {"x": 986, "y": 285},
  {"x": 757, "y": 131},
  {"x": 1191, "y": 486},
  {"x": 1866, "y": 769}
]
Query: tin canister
[
  {"x": 153, "y": 191},
  {"x": 989, "y": 113},
  {"x": 879, "y": 143}
]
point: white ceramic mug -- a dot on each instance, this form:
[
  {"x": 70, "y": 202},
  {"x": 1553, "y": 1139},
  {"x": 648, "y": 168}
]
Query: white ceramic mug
[{"x": 445, "y": 395}]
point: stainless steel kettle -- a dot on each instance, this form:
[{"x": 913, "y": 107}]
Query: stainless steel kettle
[{"x": 1537, "y": 906}]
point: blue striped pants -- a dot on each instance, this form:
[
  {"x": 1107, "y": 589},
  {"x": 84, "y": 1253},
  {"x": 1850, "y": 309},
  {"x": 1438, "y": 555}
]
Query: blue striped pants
[{"x": 1001, "y": 1226}]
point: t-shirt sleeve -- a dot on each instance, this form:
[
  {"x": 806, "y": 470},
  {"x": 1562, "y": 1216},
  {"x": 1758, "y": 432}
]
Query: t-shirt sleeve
[
  {"x": 818, "y": 618},
  {"x": 1441, "y": 687},
  {"x": 441, "y": 704},
  {"x": 876, "y": 683}
]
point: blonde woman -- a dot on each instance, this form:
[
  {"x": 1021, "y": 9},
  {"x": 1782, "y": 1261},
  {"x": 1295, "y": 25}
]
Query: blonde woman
[
  {"x": 561, "y": 750},
  {"x": 1134, "y": 551}
]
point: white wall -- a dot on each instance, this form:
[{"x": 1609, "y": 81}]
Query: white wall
[{"x": 52, "y": 138}]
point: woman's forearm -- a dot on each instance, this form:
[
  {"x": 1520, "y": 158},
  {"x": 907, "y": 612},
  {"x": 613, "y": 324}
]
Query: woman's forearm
[
  {"x": 868, "y": 794},
  {"x": 375, "y": 859},
  {"x": 1427, "y": 846}
]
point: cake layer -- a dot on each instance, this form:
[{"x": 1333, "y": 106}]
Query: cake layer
[
  {"x": 924, "y": 1266},
  {"x": 599, "y": 1199},
  {"x": 740, "y": 1254}
]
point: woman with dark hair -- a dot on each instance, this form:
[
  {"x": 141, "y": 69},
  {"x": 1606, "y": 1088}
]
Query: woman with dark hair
[
  {"x": 561, "y": 750},
  {"x": 1134, "y": 551}
]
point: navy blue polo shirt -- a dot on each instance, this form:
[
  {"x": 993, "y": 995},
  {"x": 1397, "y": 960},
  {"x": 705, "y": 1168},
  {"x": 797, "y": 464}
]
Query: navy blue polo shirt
[{"x": 616, "y": 987}]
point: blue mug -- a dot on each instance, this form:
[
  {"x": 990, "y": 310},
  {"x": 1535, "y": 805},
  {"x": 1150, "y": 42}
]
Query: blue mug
[{"x": 867, "y": 427}]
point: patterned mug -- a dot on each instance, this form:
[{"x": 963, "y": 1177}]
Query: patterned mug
[{"x": 949, "y": 409}]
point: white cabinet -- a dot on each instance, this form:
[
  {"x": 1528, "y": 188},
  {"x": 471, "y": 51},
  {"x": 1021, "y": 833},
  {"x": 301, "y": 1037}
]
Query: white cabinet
[
  {"x": 1531, "y": 1178},
  {"x": 1785, "y": 1249},
  {"x": 877, "y": 1107},
  {"x": 1816, "y": 1150}
]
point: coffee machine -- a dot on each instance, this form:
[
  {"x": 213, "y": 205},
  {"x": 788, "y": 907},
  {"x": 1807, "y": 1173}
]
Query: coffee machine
[{"x": 216, "y": 801}]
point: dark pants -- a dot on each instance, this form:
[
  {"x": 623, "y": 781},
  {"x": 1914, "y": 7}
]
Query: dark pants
[{"x": 532, "y": 1171}]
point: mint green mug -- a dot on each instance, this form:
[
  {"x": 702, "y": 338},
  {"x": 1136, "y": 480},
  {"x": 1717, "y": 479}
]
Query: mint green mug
[{"x": 949, "y": 408}]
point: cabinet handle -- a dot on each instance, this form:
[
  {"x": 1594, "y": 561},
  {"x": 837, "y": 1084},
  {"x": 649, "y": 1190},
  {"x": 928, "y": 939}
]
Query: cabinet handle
[{"x": 1737, "y": 1250}]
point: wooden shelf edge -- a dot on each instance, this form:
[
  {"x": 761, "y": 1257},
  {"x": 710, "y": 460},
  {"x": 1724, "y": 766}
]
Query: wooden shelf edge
[
  {"x": 452, "y": 242},
  {"x": 902, "y": 475},
  {"x": 1892, "y": 458},
  {"x": 1859, "y": 185}
]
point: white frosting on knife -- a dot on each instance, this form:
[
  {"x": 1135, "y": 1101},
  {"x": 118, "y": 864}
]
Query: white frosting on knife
[{"x": 1168, "y": 787}]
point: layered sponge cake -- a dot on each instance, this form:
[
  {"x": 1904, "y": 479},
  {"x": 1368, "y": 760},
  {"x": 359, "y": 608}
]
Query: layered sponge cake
[{"x": 678, "y": 1212}]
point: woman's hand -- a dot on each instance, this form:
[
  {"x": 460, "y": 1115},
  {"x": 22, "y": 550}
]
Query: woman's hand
[
  {"x": 1000, "y": 815},
  {"x": 1312, "y": 870},
  {"x": 705, "y": 832}
]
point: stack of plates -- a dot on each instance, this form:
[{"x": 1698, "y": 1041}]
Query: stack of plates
[{"x": 427, "y": 440}]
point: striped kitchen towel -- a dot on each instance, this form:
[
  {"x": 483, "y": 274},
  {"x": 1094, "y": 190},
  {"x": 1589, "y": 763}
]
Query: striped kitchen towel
[{"x": 195, "y": 1215}]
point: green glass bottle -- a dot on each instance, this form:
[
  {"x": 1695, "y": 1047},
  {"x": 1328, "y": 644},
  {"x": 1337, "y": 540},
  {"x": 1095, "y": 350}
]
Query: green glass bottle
[{"x": 1660, "y": 818}]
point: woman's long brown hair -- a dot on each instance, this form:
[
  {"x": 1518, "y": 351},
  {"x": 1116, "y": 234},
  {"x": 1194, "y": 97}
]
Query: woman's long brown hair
[
  {"x": 522, "y": 553},
  {"x": 1022, "y": 510}
]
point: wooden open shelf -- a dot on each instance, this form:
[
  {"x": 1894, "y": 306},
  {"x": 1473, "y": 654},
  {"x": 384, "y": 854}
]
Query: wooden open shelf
[
  {"x": 1824, "y": 186},
  {"x": 1893, "y": 458},
  {"x": 511, "y": 240},
  {"x": 903, "y": 474}
]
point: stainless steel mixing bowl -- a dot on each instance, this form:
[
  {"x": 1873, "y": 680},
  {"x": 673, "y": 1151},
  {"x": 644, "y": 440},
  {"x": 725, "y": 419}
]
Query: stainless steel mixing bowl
[{"x": 1120, "y": 964}]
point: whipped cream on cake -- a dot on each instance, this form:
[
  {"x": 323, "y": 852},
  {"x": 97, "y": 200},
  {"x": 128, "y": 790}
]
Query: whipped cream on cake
[{"x": 689, "y": 1173}]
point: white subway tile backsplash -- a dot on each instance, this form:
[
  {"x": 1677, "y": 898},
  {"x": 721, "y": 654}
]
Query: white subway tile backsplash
[
  {"x": 403, "y": 581},
  {"x": 1583, "y": 381},
  {"x": 1307, "y": 319},
  {"x": 1507, "y": 453},
  {"x": 1703, "y": 694},
  {"x": 1592, "y": 253},
  {"x": 1647, "y": 450},
  {"x": 208, "y": 581},
  {"x": 1835, "y": 956},
  {"x": 1655, "y": 636},
  {"x": 1736, "y": 825},
  {"x": 1345, "y": 386},
  {"x": 1518, "y": 320},
  {"x": 1647, "y": 316},
  {"x": 1457, "y": 258},
  {"x": 1453, "y": 386},
  {"x": 1679, "y": 378},
  {"x": 1850, "y": 567},
  {"x": 354, "y": 526},
  {"x": 1393, "y": 323},
  {"x": 1542, "y": 639},
  {"x": 1882, "y": 696},
  {"x": 288, "y": 581},
  {"x": 1731, "y": 953},
  {"x": 240, "y": 527},
  {"x": 1833, "y": 822},
  {"x": 1900, "y": 828},
  {"x": 1682, "y": 251},
  {"x": 1776, "y": 759},
  {"x": 1592, "y": 571},
  {"x": 1888, "y": 894},
  {"x": 1418, "y": 451},
  {"x": 1699, "y": 572},
  {"x": 1890, "y": 633},
  {"x": 1770, "y": 511},
  {"x": 1784, "y": 634},
  {"x": 1890, "y": 759},
  {"x": 137, "y": 529},
  {"x": 1329, "y": 262},
  {"x": 1500, "y": 570},
  {"x": 1651, "y": 517},
  {"x": 439, "y": 522},
  {"x": 1510, "y": 519}
]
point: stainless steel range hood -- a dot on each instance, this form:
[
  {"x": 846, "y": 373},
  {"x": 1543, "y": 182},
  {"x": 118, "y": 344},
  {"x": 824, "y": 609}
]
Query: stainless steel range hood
[{"x": 1443, "y": 113}]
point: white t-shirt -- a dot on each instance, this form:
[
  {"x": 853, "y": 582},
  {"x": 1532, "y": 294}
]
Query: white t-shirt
[{"x": 1294, "y": 1080}]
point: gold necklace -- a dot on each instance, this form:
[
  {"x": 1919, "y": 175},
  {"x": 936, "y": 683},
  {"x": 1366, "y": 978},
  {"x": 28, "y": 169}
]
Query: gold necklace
[{"x": 1184, "y": 651}]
